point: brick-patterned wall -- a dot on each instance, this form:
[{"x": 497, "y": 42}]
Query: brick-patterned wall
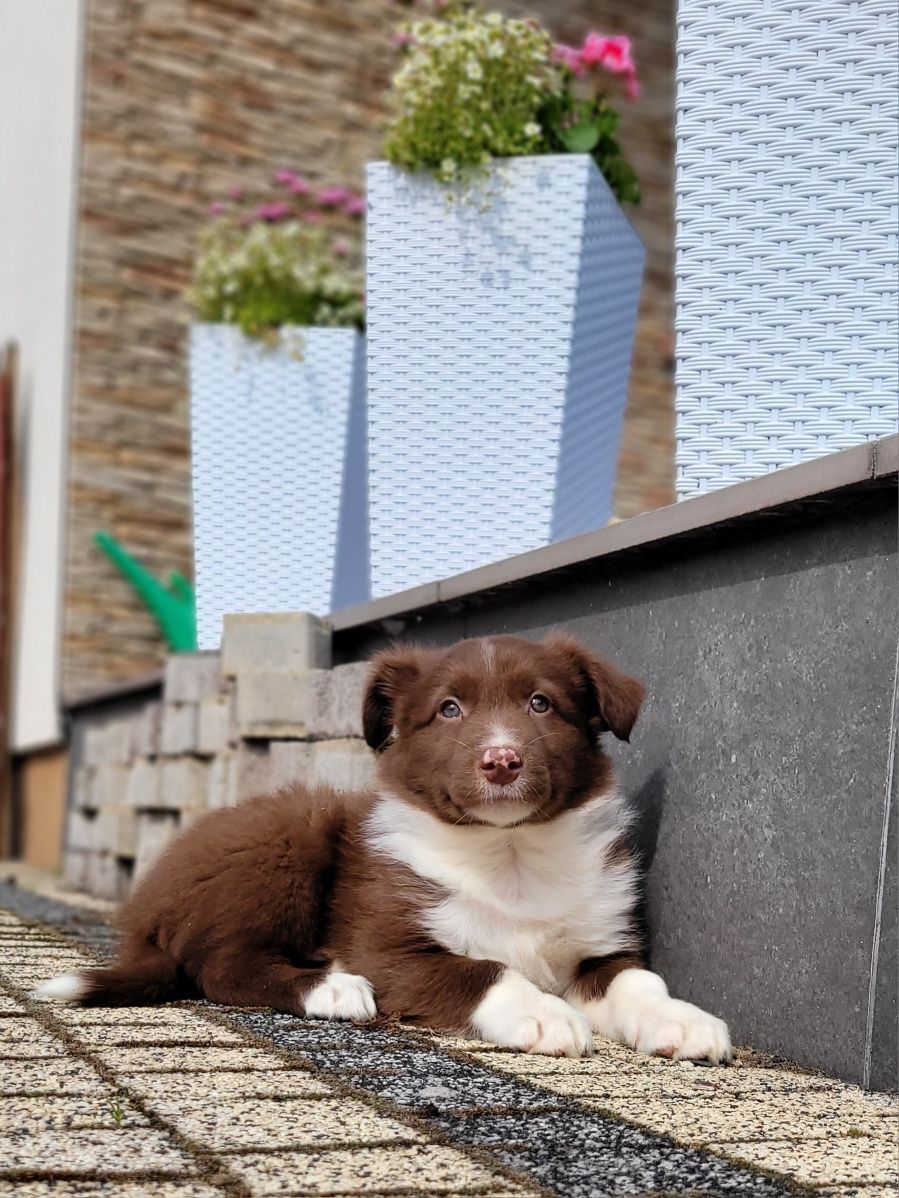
[{"x": 183, "y": 98}]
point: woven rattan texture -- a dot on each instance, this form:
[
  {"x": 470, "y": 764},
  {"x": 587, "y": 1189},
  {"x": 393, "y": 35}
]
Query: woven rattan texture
[
  {"x": 786, "y": 233},
  {"x": 500, "y": 328},
  {"x": 269, "y": 437}
]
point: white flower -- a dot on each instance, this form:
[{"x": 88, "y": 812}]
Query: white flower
[
  {"x": 448, "y": 166},
  {"x": 532, "y": 129},
  {"x": 474, "y": 70}
]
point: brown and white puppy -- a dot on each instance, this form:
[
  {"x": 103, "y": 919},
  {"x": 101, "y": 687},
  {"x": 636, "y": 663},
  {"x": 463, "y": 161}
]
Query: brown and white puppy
[{"x": 484, "y": 886}]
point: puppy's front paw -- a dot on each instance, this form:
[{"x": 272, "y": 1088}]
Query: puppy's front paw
[
  {"x": 637, "y": 1010},
  {"x": 515, "y": 1014},
  {"x": 342, "y": 996}
]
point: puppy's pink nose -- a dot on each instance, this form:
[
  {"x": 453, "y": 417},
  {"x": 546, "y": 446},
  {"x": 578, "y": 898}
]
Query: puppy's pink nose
[{"x": 501, "y": 764}]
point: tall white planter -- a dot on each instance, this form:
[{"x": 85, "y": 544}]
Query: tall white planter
[
  {"x": 279, "y": 477},
  {"x": 787, "y": 190},
  {"x": 500, "y": 327}
]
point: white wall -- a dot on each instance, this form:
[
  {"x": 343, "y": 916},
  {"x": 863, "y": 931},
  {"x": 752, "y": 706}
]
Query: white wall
[{"x": 40, "y": 51}]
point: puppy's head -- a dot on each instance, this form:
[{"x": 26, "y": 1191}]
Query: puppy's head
[{"x": 496, "y": 731}]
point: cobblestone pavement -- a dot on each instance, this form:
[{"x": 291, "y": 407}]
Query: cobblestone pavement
[{"x": 195, "y": 1101}]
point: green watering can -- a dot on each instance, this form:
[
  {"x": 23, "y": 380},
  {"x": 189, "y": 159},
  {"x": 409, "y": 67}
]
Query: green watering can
[{"x": 171, "y": 605}]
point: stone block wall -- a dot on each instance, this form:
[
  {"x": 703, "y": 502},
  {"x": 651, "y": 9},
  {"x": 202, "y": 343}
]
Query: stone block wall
[
  {"x": 182, "y": 98},
  {"x": 265, "y": 712}
]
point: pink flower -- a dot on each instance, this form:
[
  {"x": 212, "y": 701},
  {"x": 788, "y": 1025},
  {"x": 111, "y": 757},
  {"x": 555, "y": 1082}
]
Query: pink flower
[
  {"x": 569, "y": 57},
  {"x": 401, "y": 39},
  {"x": 235, "y": 192},
  {"x": 333, "y": 197},
  {"x": 216, "y": 208},
  {"x": 341, "y": 247},
  {"x": 284, "y": 177},
  {"x": 298, "y": 186},
  {"x": 275, "y": 211},
  {"x": 355, "y": 206},
  {"x": 311, "y": 218},
  {"x": 612, "y": 53}
]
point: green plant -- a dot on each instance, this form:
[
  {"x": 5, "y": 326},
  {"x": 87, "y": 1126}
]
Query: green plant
[
  {"x": 475, "y": 86},
  {"x": 291, "y": 261}
]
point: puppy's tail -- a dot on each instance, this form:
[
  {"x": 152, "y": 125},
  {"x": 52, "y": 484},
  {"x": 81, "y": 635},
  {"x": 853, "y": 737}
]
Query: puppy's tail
[{"x": 145, "y": 977}]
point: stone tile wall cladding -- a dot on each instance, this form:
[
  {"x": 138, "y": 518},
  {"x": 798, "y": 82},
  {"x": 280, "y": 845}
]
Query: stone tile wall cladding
[
  {"x": 182, "y": 98},
  {"x": 266, "y": 711}
]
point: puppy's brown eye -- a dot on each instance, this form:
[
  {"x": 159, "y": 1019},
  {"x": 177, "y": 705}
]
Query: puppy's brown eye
[
  {"x": 450, "y": 710},
  {"x": 540, "y": 704}
]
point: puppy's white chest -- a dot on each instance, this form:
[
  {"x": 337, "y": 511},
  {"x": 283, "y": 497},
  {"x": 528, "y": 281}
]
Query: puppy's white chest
[{"x": 538, "y": 898}]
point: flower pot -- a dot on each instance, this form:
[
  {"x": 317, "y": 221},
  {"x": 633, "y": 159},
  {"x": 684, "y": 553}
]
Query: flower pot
[
  {"x": 500, "y": 326},
  {"x": 279, "y": 476}
]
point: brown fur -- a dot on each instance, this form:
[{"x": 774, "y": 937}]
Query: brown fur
[{"x": 252, "y": 904}]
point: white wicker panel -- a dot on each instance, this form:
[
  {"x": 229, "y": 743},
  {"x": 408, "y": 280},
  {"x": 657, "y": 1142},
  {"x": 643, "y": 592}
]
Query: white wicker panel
[
  {"x": 786, "y": 233},
  {"x": 268, "y": 441},
  {"x": 499, "y": 339}
]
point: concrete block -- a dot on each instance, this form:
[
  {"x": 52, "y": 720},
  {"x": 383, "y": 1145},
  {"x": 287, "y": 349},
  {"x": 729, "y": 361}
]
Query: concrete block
[
  {"x": 77, "y": 868},
  {"x": 108, "y": 743},
  {"x": 108, "y": 786},
  {"x": 334, "y": 701},
  {"x": 272, "y": 704},
  {"x": 144, "y": 781},
  {"x": 155, "y": 832},
  {"x": 293, "y": 641},
  {"x": 83, "y": 789},
  {"x": 183, "y": 784},
  {"x": 179, "y": 729},
  {"x": 220, "y": 786},
  {"x": 145, "y": 731},
  {"x": 344, "y": 764},
  {"x": 108, "y": 877},
  {"x": 115, "y": 831},
  {"x": 214, "y": 720},
  {"x": 81, "y": 831},
  {"x": 290, "y": 761},
  {"x": 190, "y": 677},
  {"x": 252, "y": 774}
]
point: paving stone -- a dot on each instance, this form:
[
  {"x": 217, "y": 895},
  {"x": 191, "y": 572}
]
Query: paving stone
[
  {"x": 179, "y": 729},
  {"x": 429, "y": 1168},
  {"x": 11, "y": 1006},
  {"x": 27, "y": 1038},
  {"x": 194, "y": 1060},
  {"x": 224, "y": 1085},
  {"x": 162, "y": 1016},
  {"x": 116, "y": 1150},
  {"x": 294, "y": 641},
  {"x": 190, "y": 677},
  {"x": 811, "y": 1116},
  {"x": 262, "y": 1123},
  {"x": 99, "y": 1037},
  {"x": 570, "y": 1152},
  {"x": 817, "y": 1162},
  {"x": 59, "y": 1187},
  {"x": 52, "y": 1076},
  {"x": 430, "y": 1094},
  {"x": 54, "y": 1112}
]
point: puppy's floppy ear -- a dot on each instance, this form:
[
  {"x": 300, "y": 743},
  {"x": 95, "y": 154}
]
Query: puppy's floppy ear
[
  {"x": 391, "y": 673},
  {"x": 613, "y": 699}
]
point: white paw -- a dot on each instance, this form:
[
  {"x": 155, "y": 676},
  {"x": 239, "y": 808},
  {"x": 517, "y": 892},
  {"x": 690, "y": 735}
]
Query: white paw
[
  {"x": 637, "y": 1010},
  {"x": 70, "y": 987},
  {"x": 342, "y": 996},
  {"x": 515, "y": 1014}
]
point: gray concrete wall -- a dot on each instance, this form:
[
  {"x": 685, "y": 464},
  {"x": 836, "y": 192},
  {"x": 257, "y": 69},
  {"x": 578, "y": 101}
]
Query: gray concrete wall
[{"x": 760, "y": 764}]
